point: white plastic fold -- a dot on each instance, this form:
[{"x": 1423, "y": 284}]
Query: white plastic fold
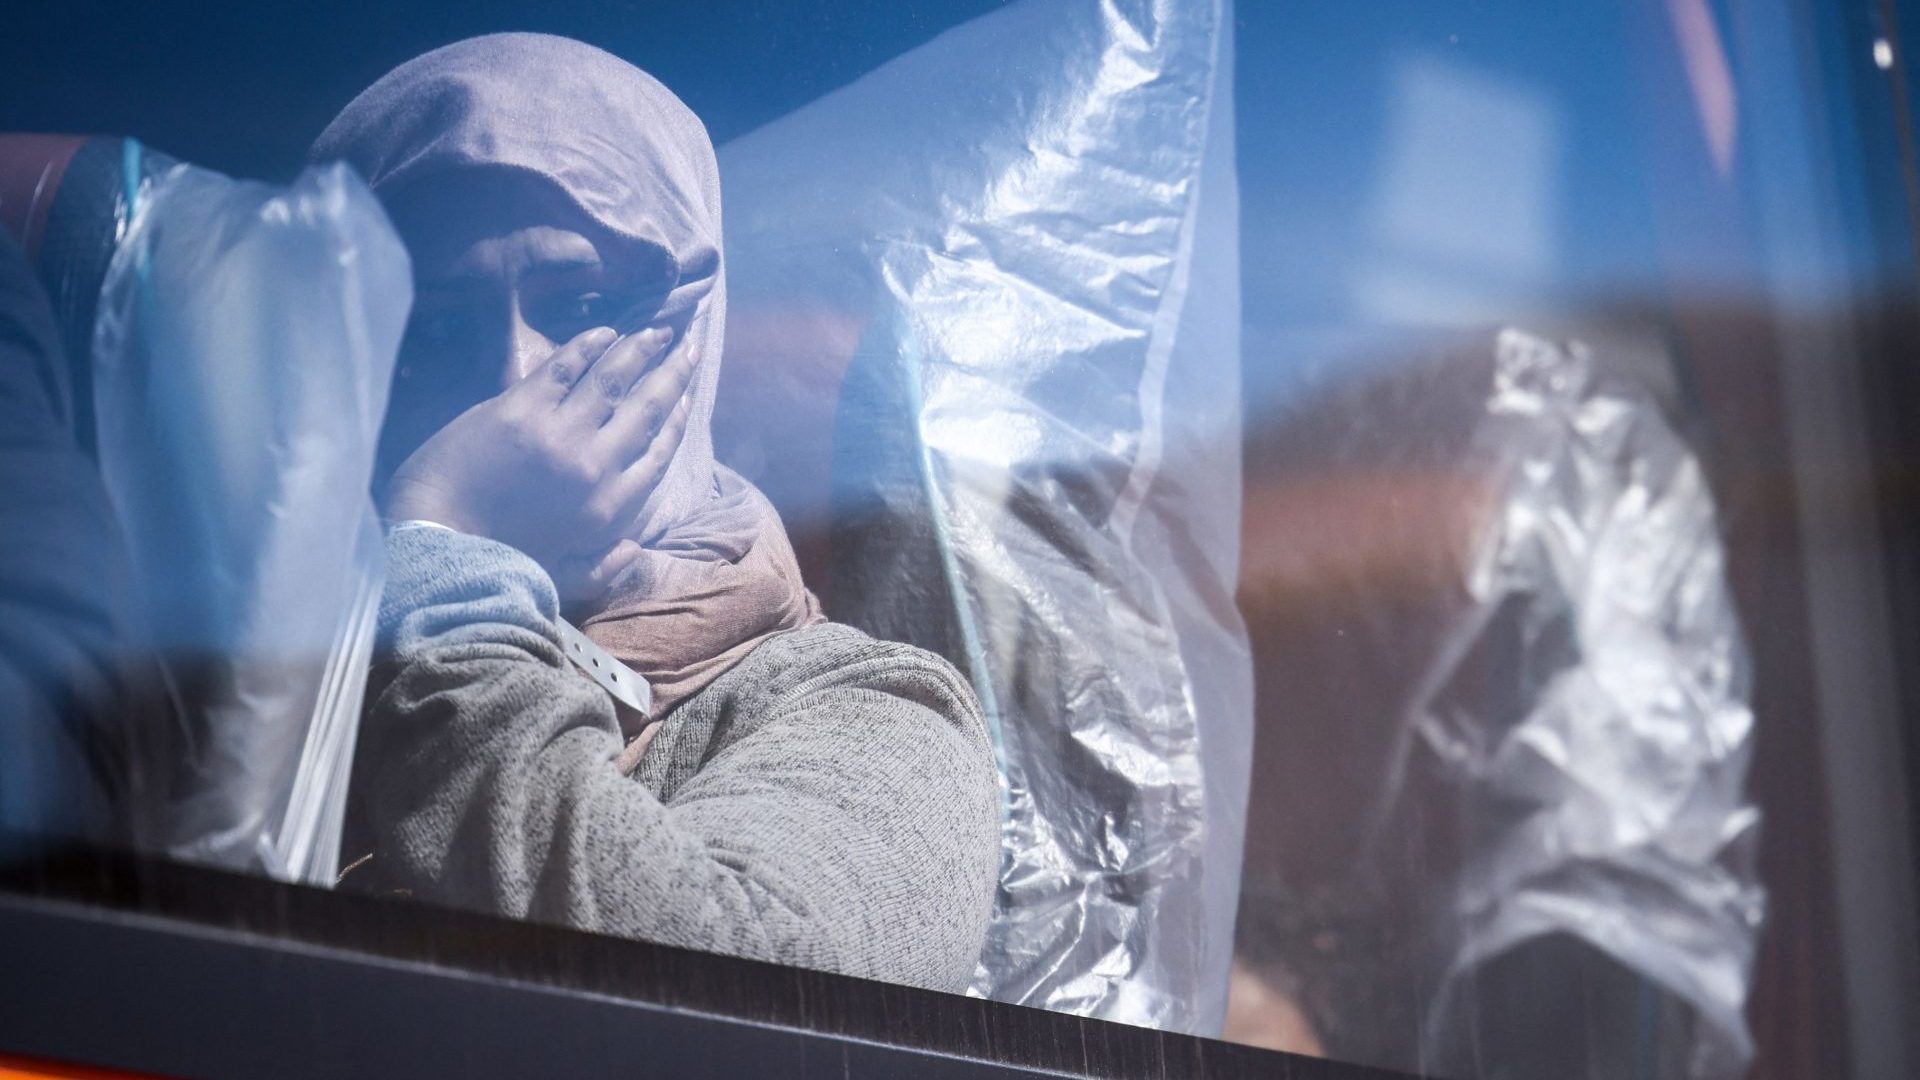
[{"x": 243, "y": 349}]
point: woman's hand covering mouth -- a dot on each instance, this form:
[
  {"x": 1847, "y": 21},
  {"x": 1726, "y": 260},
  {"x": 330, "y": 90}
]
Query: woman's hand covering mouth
[{"x": 561, "y": 463}]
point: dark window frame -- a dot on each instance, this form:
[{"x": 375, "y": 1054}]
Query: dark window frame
[{"x": 161, "y": 968}]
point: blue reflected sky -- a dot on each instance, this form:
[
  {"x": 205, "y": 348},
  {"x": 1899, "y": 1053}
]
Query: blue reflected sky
[
  {"x": 1436, "y": 160},
  {"x": 1411, "y": 165},
  {"x": 1404, "y": 163}
]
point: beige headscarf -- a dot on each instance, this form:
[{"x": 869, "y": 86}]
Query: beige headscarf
[{"x": 717, "y": 575}]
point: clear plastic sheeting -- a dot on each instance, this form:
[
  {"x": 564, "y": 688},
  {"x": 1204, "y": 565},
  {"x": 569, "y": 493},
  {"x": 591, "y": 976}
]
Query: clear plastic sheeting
[
  {"x": 243, "y": 349},
  {"x": 1611, "y": 777},
  {"x": 983, "y": 354},
  {"x": 1505, "y": 723}
]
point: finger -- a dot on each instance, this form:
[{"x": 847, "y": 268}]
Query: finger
[
  {"x": 584, "y": 580},
  {"x": 551, "y": 381},
  {"x": 612, "y": 565},
  {"x": 649, "y": 406},
  {"x": 627, "y": 494},
  {"x": 595, "y": 395}
]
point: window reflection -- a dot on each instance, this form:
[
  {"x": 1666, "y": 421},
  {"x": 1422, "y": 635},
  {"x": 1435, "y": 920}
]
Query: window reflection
[{"x": 1373, "y": 531}]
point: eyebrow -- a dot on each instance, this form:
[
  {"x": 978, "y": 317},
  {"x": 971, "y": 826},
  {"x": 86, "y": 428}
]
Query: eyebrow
[
  {"x": 457, "y": 282},
  {"x": 567, "y": 264},
  {"x": 560, "y": 264}
]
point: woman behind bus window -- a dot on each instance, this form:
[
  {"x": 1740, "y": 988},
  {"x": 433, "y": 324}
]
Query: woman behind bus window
[{"x": 808, "y": 795}]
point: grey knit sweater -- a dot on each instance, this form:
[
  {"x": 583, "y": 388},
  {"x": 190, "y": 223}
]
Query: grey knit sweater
[{"x": 830, "y": 802}]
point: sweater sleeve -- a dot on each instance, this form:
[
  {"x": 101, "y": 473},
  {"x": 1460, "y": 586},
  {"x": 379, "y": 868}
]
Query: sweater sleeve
[{"x": 841, "y": 816}]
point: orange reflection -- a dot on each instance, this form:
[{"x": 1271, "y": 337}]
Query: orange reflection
[{"x": 12, "y": 1068}]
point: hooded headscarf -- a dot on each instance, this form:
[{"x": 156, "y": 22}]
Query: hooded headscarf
[{"x": 717, "y": 574}]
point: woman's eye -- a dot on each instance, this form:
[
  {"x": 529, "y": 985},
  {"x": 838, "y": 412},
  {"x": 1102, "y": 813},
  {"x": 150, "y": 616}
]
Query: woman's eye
[
  {"x": 581, "y": 311},
  {"x": 564, "y": 315},
  {"x": 590, "y": 308}
]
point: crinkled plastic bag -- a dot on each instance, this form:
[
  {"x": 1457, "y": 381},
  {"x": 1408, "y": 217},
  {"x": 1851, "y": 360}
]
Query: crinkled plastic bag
[
  {"x": 1614, "y": 805},
  {"x": 983, "y": 354},
  {"x": 1508, "y": 703},
  {"x": 243, "y": 350}
]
